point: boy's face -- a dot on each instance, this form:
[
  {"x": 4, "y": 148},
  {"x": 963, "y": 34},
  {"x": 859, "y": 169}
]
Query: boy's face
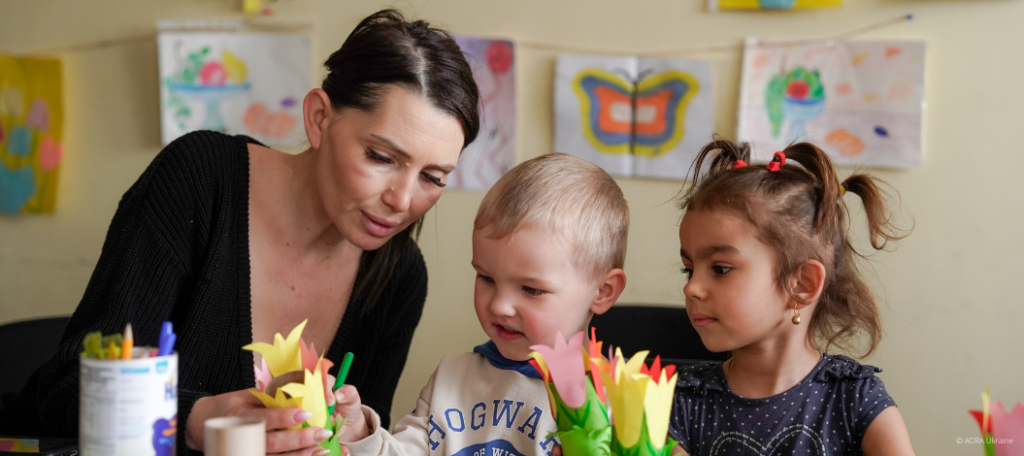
[{"x": 528, "y": 289}]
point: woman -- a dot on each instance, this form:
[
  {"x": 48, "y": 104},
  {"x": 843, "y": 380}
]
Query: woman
[{"x": 234, "y": 242}]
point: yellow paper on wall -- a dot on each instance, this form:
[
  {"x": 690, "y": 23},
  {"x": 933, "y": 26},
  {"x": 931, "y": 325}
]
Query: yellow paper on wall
[
  {"x": 251, "y": 6},
  {"x": 31, "y": 133}
]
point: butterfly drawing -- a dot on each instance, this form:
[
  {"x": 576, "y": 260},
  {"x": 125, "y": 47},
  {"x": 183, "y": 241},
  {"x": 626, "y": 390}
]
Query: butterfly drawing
[{"x": 640, "y": 116}]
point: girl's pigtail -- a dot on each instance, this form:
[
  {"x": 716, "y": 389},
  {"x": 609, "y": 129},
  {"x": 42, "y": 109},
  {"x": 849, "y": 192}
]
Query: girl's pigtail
[
  {"x": 816, "y": 162},
  {"x": 723, "y": 154},
  {"x": 881, "y": 227}
]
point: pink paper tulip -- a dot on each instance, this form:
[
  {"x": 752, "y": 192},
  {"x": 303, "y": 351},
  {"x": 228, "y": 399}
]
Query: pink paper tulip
[{"x": 565, "y": 365}]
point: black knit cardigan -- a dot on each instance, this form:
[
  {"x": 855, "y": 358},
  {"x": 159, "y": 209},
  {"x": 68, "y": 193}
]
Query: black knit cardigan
[{"x": 178, "y": 250}]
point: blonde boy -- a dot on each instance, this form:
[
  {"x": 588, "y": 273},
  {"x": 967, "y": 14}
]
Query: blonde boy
[{"x": 549, "y": 243}]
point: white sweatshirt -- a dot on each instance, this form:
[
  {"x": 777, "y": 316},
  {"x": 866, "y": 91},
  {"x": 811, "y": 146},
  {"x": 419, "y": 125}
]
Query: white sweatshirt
[{"x": 468, "y": 408}]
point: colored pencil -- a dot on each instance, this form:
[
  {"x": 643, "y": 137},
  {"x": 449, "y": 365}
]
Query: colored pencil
[{"x": 127, "y": 343}]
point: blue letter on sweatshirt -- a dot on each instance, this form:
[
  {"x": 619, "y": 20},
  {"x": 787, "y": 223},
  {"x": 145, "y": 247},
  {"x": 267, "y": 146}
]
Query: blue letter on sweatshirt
[
  {"x": 509, "y": 416},
  {"x": 434, "y": 427},
  {"x": 473, "y": 416},
  {"x": 544, "y": 446},
  {"x": 448, "y": 417},
  {"x": 531, "y": 422}
]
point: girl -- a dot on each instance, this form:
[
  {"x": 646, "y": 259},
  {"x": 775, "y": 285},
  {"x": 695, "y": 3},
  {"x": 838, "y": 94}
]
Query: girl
[{"x": 772, "y": 279}]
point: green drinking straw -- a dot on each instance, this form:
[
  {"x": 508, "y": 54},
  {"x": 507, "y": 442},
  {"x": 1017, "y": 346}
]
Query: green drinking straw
[{"x": 346, "y": 363}]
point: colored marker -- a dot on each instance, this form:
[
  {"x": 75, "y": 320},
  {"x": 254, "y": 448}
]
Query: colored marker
[
  {"x": 346, "y": 363},
  {"x": 127, "y": 343},
  {"x": 167, "y": 339}
]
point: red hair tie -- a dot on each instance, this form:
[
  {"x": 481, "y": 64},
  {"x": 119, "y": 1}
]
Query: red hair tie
[
  {"x": 739, "y": 164},
  {"x": 777, "y": 161}
]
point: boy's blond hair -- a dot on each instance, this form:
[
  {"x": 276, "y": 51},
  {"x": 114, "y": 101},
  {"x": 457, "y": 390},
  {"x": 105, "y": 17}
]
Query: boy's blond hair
[{"x": 569, "y": 197}]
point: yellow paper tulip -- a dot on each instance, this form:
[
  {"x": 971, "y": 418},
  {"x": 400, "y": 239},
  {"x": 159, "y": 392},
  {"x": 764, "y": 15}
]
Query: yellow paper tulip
[
  {"x": 311, "y": 395},
  {"x": 284, "y": 355},
  {"x": 626, "y": 393},
  {"x": 280, "y": 400},
  {"x": 658, "y": 408},
  {"x": 546, "y": 376}
]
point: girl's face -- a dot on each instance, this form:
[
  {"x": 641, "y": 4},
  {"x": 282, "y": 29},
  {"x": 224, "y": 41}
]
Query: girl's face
[
  {"x": 378, "y": 172},
  {"x": 731, "y": 295}
]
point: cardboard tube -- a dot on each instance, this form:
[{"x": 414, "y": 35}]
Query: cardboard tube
[{"x": 235, "y": 436}]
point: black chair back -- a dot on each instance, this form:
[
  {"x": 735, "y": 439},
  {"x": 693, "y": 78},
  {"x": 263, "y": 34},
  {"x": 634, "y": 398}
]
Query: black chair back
[
  {"x": 25, "y": 346},
  {"x": 665, "y": 331}
]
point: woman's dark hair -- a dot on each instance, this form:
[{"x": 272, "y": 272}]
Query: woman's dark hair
[
  {"x": 383, "y": 51},
  {"x": 799, "y": 212}
]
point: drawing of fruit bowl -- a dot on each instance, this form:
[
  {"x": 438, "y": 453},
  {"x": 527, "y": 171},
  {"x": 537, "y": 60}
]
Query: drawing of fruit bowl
[
  {"x": 803, "y": 100},
  {"x": 798, "y": 111},
  {"x": 209, "y": 81},
  {"x": 212, "y": 95}
]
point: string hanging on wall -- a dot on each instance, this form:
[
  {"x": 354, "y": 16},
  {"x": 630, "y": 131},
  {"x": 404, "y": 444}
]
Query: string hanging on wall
[
  {"x": 247, "y": 24},
  {"x": 704, "y": 49},
  {"x": 258, "y": 24}
]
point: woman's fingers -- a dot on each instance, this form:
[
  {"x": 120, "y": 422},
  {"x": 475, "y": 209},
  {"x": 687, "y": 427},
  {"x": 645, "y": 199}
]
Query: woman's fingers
[
  {"x": 297, "y": 441},
  {"x": 280, "y": 418}
]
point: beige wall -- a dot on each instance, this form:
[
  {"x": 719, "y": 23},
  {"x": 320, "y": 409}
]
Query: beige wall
[{"x": 953, "y": 288}]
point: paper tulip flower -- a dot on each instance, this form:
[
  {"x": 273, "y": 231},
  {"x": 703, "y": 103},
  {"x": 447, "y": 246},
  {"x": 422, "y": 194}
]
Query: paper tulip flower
[
  {"x": 565, "y": 367},
  {"x": 623, "y": 407},
  {"x": 625, "y": 388},
  {"x": 580, "y": 414},
  {"x": 658, "y": 403},
  {"x": 284, "y": 355},
  {"x": 641, "y": 405},
  {"x": 291, "y": 374},
  {"x": 1002, "y": 433}
]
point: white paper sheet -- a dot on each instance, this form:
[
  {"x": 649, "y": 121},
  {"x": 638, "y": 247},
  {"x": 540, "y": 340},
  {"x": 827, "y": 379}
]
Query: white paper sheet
[
  {"x": 235, "y": 82},
  {"x": 493, "y": 152},
  {"x": 634, "y": 117},
  {"x": 867, "y": 112}
]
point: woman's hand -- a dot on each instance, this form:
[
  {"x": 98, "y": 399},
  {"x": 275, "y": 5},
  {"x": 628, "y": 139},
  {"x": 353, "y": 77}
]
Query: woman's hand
[{"x": 295, "y": 442}]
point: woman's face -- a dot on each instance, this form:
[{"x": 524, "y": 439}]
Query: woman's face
[{"x": 378, "y": 172}]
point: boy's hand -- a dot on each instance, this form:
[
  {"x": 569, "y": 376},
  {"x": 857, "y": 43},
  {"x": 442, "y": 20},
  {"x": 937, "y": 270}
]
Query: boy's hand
[{"x": 349, "y": 406}]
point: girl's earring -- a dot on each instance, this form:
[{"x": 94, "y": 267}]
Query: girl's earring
[{"x": 796, "y": 316}]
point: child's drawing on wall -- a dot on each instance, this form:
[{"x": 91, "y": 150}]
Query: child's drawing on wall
[
  {"x": 31, "y": 134},
  {"x": 861, "y": 101},
  {"x": 494, "y": 151},
  {"x": 237, "y": 83}
]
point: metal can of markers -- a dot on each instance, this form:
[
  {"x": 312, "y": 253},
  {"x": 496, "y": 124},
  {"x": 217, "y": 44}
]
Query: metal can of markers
[{"x": 128, "y": 407}]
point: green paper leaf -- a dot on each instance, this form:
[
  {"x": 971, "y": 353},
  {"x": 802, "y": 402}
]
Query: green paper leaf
[
  {"x": 332, "y": 445},
  {"x": 593, "y": 414},
  {"x": 579, "y": 442}
]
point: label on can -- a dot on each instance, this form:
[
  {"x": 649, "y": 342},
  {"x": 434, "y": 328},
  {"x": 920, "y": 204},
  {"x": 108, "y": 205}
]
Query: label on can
[{"x": 129, "y": 407}]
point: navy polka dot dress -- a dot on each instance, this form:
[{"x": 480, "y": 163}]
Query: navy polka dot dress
[{"x": 825, "y": 414}]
